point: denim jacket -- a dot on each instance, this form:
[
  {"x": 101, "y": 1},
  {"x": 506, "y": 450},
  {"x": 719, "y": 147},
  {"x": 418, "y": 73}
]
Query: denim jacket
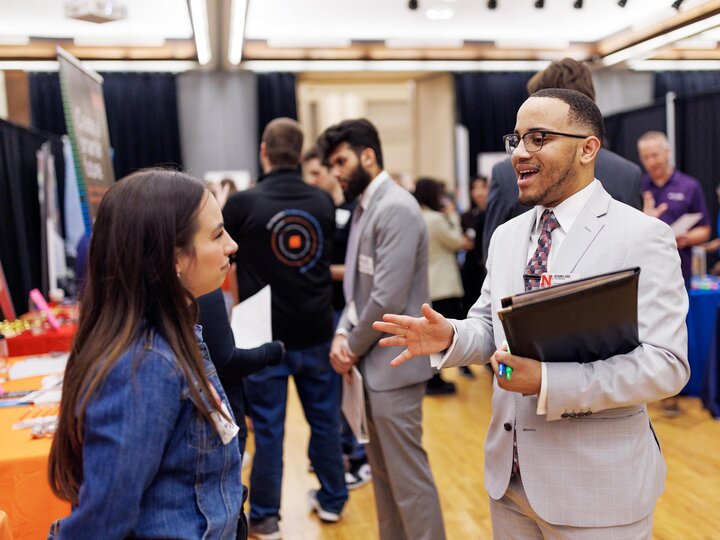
[{"x": 153, "y": 467}]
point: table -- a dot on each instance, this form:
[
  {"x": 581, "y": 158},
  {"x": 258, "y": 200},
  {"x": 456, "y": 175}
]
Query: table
[
  {"x": 25, "y": 493},
  {"x": 48, "y": 340},
  {"x": 702, "y": 340},
  {"x": 710, "y": 389}
]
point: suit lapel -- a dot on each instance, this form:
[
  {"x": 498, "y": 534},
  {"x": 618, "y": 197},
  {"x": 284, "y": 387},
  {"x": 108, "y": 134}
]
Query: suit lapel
[
  {"x": 519, "y": 256},
  {"x": 586, "y": 227}
]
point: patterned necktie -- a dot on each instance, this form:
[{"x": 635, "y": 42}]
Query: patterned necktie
[
  {"x": 536, "y": 268},
  {"x": 351, "y": 254},
  {"x": 538, "y": 263}
]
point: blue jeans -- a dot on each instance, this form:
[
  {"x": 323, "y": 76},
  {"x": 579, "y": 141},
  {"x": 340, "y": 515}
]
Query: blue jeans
[{"x": 319, "y": 388}]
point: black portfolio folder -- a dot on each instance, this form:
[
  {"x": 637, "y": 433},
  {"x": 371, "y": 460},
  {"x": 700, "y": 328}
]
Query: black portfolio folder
[{"x": 579, "y": 321}]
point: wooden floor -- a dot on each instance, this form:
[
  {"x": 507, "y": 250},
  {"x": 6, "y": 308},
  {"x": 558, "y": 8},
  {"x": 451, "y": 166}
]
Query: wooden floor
[{"x": 455, "y": 428}]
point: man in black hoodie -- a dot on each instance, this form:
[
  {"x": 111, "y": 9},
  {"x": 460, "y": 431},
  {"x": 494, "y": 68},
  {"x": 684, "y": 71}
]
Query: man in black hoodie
[{"x": 284, "y": 228}]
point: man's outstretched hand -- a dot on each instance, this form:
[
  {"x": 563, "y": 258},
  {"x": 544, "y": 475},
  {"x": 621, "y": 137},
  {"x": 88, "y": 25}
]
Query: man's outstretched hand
[{"x": 431, "y": 333}]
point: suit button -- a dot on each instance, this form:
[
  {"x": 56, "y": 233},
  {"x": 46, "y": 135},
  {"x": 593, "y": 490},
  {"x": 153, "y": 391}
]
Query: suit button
[
  {"x": 507, "y": 426},
  {"x": 564, "y": 415}
]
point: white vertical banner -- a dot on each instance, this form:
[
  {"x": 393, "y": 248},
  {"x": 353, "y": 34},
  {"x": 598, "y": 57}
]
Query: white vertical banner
[
  {"x": 462, "y": 167},
  {"x": 54, "y": 264}
]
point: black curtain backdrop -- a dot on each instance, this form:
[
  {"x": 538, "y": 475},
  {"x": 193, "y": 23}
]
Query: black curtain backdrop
[
  {"x": 698, "y": 143},
  {"x": 142, "y": 117},
  {"x": 622, "y": 130},
  {"x": 276, "y": 98},
  {"x": 685, "y": 83},
  {"x": 487, "y": 105},
  {"x": 20, "y": 208}
]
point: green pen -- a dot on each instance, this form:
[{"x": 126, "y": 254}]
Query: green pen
[{"x": 508, "y": 370}]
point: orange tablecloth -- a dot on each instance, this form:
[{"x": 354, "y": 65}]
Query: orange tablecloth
[
  {"x": 49, "y": 340},
  {"x": 25, "y": 493}
]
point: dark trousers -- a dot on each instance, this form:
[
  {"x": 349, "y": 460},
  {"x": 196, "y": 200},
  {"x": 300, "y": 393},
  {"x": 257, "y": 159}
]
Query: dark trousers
[{"x": 318, "y": 387}]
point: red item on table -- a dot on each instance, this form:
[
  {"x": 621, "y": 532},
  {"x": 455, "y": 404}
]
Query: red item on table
[{"x": 49, "y": 340}]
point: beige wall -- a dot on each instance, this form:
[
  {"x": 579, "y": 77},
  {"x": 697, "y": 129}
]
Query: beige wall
[
  {"x": 435, "y": 128},
  {"x": 414, "y": 115}
]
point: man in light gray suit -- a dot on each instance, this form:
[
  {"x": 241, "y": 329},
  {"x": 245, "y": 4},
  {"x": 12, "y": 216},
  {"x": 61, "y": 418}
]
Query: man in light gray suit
[
  {"x": 570, "y": 452},
  {"x": 385, "y": 271}
]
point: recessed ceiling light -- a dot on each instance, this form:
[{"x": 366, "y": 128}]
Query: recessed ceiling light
[{"x": 440, "y": 14}]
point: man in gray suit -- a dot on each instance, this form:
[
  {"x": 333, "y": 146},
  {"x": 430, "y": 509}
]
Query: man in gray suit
[
  {"x": 570, "y": 452},
  {"x": 619, "y": 177},
  {"x": 385, "y": 271}
]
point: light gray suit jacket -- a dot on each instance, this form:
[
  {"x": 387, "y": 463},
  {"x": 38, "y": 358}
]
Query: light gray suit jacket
[
  {"x": 593, "y": 460},
  {"x": 394, "y": 237}
]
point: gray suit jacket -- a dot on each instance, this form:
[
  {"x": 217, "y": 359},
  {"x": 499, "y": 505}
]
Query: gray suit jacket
[
  {"x": 394, "y": 237},
  {"x": 620, "y": 177},
  {"x": 593, "y": 460}
]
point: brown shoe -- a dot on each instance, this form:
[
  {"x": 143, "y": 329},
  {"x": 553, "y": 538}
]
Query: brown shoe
[{"x": 670, "y": 407}]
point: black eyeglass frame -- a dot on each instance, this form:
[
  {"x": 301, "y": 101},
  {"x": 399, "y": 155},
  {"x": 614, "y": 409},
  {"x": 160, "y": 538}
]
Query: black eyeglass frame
[{"x": 509, "y": 148}]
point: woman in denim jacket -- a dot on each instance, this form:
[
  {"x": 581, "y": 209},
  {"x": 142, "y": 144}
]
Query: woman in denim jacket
[{"x": 146, "y": 446}]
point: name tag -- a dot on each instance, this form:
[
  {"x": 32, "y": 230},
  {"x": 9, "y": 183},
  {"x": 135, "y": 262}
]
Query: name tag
[
  {"x": 673, "y": 196},
  {"x": 366, "y": 265},
  {"x": 342, "y": 216},
  {"x": 548, "y": 280},
  {"x": 227, "y": 429}
]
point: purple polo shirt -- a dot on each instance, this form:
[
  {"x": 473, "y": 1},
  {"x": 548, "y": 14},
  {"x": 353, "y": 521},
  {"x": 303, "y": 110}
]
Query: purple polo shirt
[{"x": 683, "y": 195}]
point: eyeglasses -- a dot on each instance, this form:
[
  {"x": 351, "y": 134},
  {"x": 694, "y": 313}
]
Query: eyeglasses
[{"x": 534, "y": 140}]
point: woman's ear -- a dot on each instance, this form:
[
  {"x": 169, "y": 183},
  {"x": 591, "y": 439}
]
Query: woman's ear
[{"x": 182, "y": 262}]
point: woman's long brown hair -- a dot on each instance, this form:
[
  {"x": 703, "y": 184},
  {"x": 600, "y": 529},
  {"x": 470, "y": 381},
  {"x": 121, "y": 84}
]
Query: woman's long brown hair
[{"x": 143, "y": 221}]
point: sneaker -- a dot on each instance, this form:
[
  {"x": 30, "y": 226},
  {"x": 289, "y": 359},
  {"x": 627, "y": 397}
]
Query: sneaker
[
  {"x": 325, "y": 515},
  {"x": 358, "y": 475},
  {"x": 466, "y": 372},
  {"x": 670, "y": 407},
  {"x": 266, "y": 529}
]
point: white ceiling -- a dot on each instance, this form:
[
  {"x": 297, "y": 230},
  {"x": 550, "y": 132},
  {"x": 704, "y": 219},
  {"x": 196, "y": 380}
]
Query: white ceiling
[
  {"x": 45, "y": 18},
  {"x": 317, "y": 27},
  {"x": 472, "y": 21}
]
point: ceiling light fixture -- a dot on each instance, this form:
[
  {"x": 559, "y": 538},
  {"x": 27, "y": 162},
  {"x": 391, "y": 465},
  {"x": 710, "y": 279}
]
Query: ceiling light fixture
[
  {"x": 413, "y": 5},
  {"x": 622, "y": 3},
  {"x": 578, "y": 4},
  {"x": 539, "y": 4},
  {"x": 677, "y": 3},
  {"x": 440, "y": 14},
  {"x": 492, "y": 4},
  {"x": 647, "y": 47},
  {"x": 199, "y": 17},
  {"x": 238, "y": 16}
]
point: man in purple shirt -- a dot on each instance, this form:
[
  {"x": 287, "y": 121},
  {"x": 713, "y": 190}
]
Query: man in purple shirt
[{"x": 669, "y": 194}]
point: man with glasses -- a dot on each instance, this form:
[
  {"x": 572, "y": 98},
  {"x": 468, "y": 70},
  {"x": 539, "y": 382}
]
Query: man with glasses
[
  {"x": 570, "y": 452},
  {"x": 619, "y": 177}
]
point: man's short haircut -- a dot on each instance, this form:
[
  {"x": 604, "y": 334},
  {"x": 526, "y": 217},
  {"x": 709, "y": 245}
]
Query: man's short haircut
[
  {"x": 311, "y": 154},
  {"x": 566, "y": 73},
  {"x": 583, "y": 110},
  {"x": 283, "y": 140},
  {"x": 479, "y": 178},
  {"x": 649, "y": 135},
  {"x": 358, "y": 134}
]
